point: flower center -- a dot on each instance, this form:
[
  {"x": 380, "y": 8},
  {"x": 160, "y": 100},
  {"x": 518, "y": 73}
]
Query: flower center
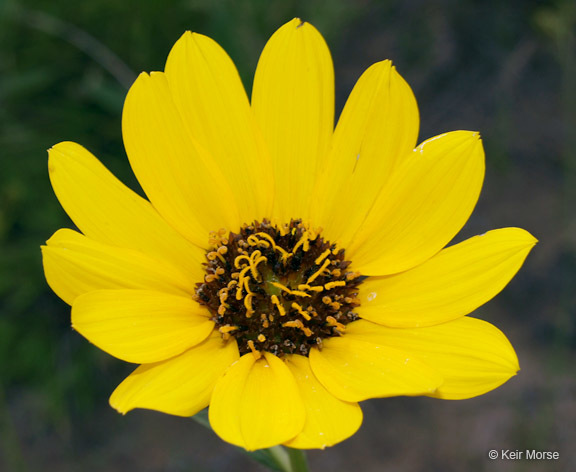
[{"x": 279, "y": 289}]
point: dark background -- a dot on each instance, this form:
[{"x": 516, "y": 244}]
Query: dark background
[{"x": 507, "y": 69}]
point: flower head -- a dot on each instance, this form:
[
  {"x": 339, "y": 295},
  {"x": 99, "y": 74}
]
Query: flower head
[{"x": 281, "y": 271}]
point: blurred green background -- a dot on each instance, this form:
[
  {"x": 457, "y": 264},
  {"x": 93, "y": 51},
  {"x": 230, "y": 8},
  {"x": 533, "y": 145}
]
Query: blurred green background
[{"x": 507, "y": 69}]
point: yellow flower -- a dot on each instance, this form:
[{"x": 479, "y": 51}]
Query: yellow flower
[{"x": 281, "y": 271}]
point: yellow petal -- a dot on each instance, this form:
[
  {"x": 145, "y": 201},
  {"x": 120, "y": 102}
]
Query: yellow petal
[
  {"x": 257, "y": 403},
  {"x": 75, "y": 264},
  {"x": 293, "y": 102},
  {"x": 328, "y": 420},
  {"x": 451, "y": 284},
  {"x": 179, "y": 386},
  {"x": 139, "y": 325},
  {"x": 181, "y": 179},
  {"x": 425, "y": 203},
  {"x": 378, "y": 128},
  {"x": 211, "y": 99},
  {"x": 355, "y": 370},
  {"x": 107, "y": 211},
  {"x": 473, "y": 356}
]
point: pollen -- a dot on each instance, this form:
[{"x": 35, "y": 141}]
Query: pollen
[{"x": 279, "y": 289}]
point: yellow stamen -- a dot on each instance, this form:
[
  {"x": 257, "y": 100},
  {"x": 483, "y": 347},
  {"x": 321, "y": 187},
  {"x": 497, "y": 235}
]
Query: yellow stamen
[
  {"x": 304, "y": 242},
  {"x": 338, "y": 326},
  {"x": 297, "y": 293},
  {"x": 280, "y": 307},
  {"x": 247, "y": 286},
  {"x": 331, "y": 285},
  {"x": 242, "y": 282},
  {"x": 218, "y": 238},
  {"x": 255, "y": 254},
  {"x": 254, "y": 241},
  {"x": 239, "y": 260},
  {"x": 268, "y": 237},
  {"x": 326, "y": 300},
  {"x": 318, "y": 272},
  {"x": 255, "y": 352},
  {"x": 217, "y": 254},
  {"x": 312, "y": 288},
  {"x": 261, "y": 338},
  {"x": 227, "y": 329},
  {"x": 265, "y": 322},
  {"x": 322, "y": 256},
  {"x": 298, "y": 324},
  {"x": 281, "y": 287},
  {"x": 285, "y": 254},
  {"x": 352, "y": 275},
  {"x": 301, "y": 311},
  {"x": 255, "y": 258},
  {"x": 248, "y": 305}
]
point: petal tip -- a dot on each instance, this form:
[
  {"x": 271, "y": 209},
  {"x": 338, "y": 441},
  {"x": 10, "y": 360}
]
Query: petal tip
[
  {"x": 531, "y": 240},
  {"x": 474, "y": 138},
  {"x": 116, "y": 405},
  {"x": 54, "y": 152},
  {"x": 523, "y": 238},
  {"x": 191, "y": 39},
  {"x": 64, "y": 150},
  {"x": 297, "y": 23}
]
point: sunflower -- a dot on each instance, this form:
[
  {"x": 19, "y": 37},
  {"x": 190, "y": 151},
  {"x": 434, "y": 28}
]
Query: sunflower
[{"x": 281, "y": 270}]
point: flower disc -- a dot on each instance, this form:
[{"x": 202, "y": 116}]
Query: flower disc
[{"x": 278, "y": 289}]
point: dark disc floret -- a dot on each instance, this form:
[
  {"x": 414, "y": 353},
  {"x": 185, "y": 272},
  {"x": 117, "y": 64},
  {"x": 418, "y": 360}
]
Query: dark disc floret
[{"x": 279, "y": 289}]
